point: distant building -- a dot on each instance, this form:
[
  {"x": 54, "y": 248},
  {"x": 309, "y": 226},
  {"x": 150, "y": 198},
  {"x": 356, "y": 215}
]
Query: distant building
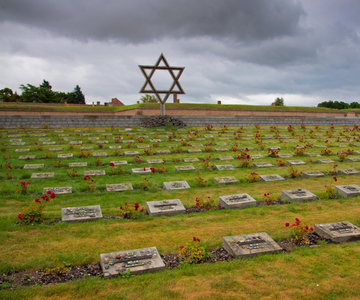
[{"x": 116, "y": 102}]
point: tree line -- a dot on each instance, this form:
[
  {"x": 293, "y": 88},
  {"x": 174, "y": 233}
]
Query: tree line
[
  {"x": 42, "y": 94},
  {"x": 339, "y": 104}
]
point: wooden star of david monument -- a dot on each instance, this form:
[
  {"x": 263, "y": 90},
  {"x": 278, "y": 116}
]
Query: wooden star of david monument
[{"x": 149, "y": 88}]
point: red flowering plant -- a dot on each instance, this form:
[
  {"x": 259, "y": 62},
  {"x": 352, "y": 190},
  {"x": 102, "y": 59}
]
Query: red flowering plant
[
  {"x": 193, "y": 252},
  {"x": 208, "y": 148},
  {"x": 299, "y": 231},
  {"x": 56, "y": 163},
  {"x": 280, "y": 162},
  {"x": 303, "y": 127},
  {"x": 293, "y": 173},
  {"x": 7, "y": 167},
  {"x": 34, "y": 212},
  {"x": 72, "y": 173},
  {"x": 116, "y": 170},
  {"x": 148, "y": 152},
  {"x": 90, "y": 184},
  {"x": 159, "y": 169},
  {"x": 130, "y": 210},
  {"x": 333, "y": 171},
  {"x": 253, "y": 177},
  {"x": 326, "y": 152},
  {"x": 144, "y": 184},
  {"x": 246, "y": 160},
  {"x": 138, "y": 160},
  {"x": 82, "y": 154},
  {"x": 206, "y": 203},
  {"x": 329, "y": 192},
  {"x": 208, "y": 127},
  {"x": 201, "y": 181},
  {"x": 299, "y": 151},
  {"x": 23, "y": 188},
  {"x": 269, "y": 198},
  {"x": 273, "y": 153},
  {"x": 39, "y": 147}
]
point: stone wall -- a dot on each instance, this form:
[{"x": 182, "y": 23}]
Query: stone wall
[{"x": 13, "y": 121}]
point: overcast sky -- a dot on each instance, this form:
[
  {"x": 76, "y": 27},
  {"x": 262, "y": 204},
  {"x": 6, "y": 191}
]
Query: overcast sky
[{"x": 237, "y": 51}]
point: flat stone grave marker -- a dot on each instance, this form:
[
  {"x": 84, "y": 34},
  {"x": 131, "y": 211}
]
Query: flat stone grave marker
[
  {"x": 18, "y": 144},
  {"x": 86, "y": 148},
  {"x": 14, "y": 135},
  {"x": 94, "y": 172},
  {"x": 42, "y": 175},
  {"x": 347, "y": 191},
  {"x": 162, "y": 152},
  {"x": 119, "y": 187},
  {"x": 141, "y": 171},
  {"x": 190, "y": 159},
  {"x": 81, "y": 214},
  {"x": 226, "y": 158},
  {"x": 69, "y": 155},
  {"x": 176, "y": 185},
  {"x": 15, "y": 140},
  {"x": 249, "y": 245},
  {"x": 84, "y": 134},
  {"x": 325, "y": 161},
  {"x": 312, "y": 174},
  {"x": 274, "y": 148},
  {"x": 141, "y": 130},
  {"x": 78, "y": 164},
  {"x": 208, "y": 135},
  {"x": 160, "y": 129},
  {"x": 137, "y": 261},
  {"x": 119, "y": 162},
  {"x": 33, "y": 166},
  {"x": 102, "y": 142},
  {"x": 99, "y": 154},
  {"x": 200, "y": 139},
  {"x": 155, "y": 161},
  {"x": 93, "y": 138},
  {"x": 196, "y": 145},
  {"x": 225, "y": 180},
  {"x": 298, "y": 195},
  {"x": 27, "y": 157},
  {"x": 255, "y": 156},
  {"x": 79, "y": 131},
  {"x": 128, "y": 141},
  {"x": 69, "y": 139},
  {"x": 165, "y": 208},
  {"x": 143, "y": 146},
  {"x": 224, "y": 167},
  {"x": 296, "y": 162},
  {"x": 357, "y": 152},
  {"x": 75, "y": 142},
  {"x": 236, "y": 201},
  {"x": 354, "y": 159},
  {"x": 62, "y": 134},
  {"x": 58, "y": 190},
  {"x": 100, "y": 130},
  {"x": 55, "y": 149},
  {"x": 129, "y": 153},
  {"x": 155, "y": 140},
  {"x": 338, "y": 232},
  {"x": 320, "y": 146},
  {"x": 49, "y": 143},
  {"x": 349, "y": 171},
  {"x": 221, "y": 144},
  {"x": 184, "y": 168},
  {"x": 273, "y": 177},
  {"x": 313, "y": 154},
  {"x": 22, "y": 150},
  {"x": 163, "y": 136},
  {"x": 262, "y": 165},
  {"x": 221, "y": 149},
  {"x": 224, "y": 139},
  {"x": 247, "y": 149},
  {"x": 114, "y": 147}
]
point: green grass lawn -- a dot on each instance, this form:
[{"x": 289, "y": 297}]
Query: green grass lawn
[{"x": 327, "y": 271}]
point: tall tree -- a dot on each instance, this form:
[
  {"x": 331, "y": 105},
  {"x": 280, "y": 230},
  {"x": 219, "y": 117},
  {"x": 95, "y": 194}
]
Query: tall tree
[
  {"x": 78, "y": 97},
  {"x": 46, "y": 85},
  {"x": 7, "y": 95},
  {"x": 279, "y": 101}
]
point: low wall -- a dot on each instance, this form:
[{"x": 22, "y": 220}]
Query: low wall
[{"x": 36, "y": 121}]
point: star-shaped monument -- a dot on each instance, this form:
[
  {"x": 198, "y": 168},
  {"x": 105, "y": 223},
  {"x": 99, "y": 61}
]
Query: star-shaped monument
[{"x": 175, "y": 87}]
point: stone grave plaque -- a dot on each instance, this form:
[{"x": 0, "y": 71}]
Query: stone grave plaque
[
  {"x": 49, "y": 143},
  {"x": 225, "y": 180},
  {"x": 14, "y": 135},
  {"x": 94, "y": 172},
  {"x": 119, "y": 162},
  {"x": 141, "y": 130},
  {"x": 129, "y": 153},
  {"x": 236, "y": 201},
  {"x": 86, "y": 148},
  {"x": 274, "y": 148},
  {"x": 221, "y": 149},
  {"x": 128, "y": 141},
  {"x": 348, "y": 190},
  {"x": 196, "y": 145},
  {"x": 191, "y": 159},
  {"x": 312, "y": 174},
  {"x": 93, "y": 138},
  {"x": 100, "y": 130},
  {"x": 338, "y": 232},
  {"x": 143, "y": 146},
  {"x": 325, "y": 161},
  {"x": 141, "y": 171},
  {"x": 27, "y": 157},
  {"x": 199, "y": 139},
  {"x": 296, "y": 162},
  {"x": 155, "y": 161},
  {"x": 163, "y": 136},
  {"x": 224, "y": 167},
  {"x": 22, "y": 150},
  {"x": 320, "y": 146},
  {"x": 18, "y": 144},
  {"x": 81, "y": 214},
  {"x": 273, "y": 177},
  {"x": 162, "y": 152},
  {"x": 226, "y": 158},
  {"x": 55, "y": 149},
  {"x": 69, "y": 155},
  {"x": 155, "y": 140},
  {"x": 249, "y": 245},
  {"x": 176, "y": 185},
  {"x": 78, "y": 164},
  {"x": 75, "y": 142},
  {"x": 165, "y": 208},
  {"x": 119, "y": 187},
  {"x": 194, "y": 150},
  {"x": 247, "y": 149},
  {"x": 256, "y": 156},
  {"x": 357, "y": 152},
  {"x": 84, "y": 134},
  {"x": 160, "y": 129},
  {"x": 223, "y": 139},
  {"x": 184, "y": 168},
  {"x": 208, "y": 135},
  {"x": 114, "y": 147},
  {"x": 102, "y": 142},
  {"x": 284, "y": 155},
  {"x": 349, "y": 171},
  {"x": 58, "y": 190},
  {"x": 313, "y": 154},
  {"x": 298, "y": 195},
  {"x": 15, "y": 140},
  {"x": 262, "y": 165},
  {"x": 42, "y": 175},
  {"x": 137, "y": 261},
  {"x": 33, "y": 166},
  {"x": 69, "y": 139},
  {"x": 353, "y": 159},
  {"x": 221, "y": 144},
  {"x": 79, "y": 130},
  {"x": 64, "y": 134},
  {"x": 99, "y": 154}
]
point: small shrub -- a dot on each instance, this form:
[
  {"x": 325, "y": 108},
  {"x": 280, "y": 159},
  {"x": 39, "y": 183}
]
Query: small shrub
[
  {"x": 23, "y": 188},
  {"x": 82, "y": 154},
  {"x": 273, "y": 153},
  {"x": 329, "y": 192},
  {"x": 299, "y": 151},
  {"x": 137, "y": 160},
  {"x": 280, "y": 162},
  {"x": 293, "y": 173},
  {"x": 269, "y": 198},
  {"x": 56, "y": 163},
  {"x": 116, "y": 170},
  {"x": 205, "y": 202},
  {"x": 98, "y": 162},
  {"x": 129, "y": 210},
  {"x": 90, "y": 184},
  {"x": 144, "y": 184},
  {"x": 148, "y": 152},
  {"x": 192, "y": 252},
  {"x": 159, "y": 169},
  {"x": 7, "y": 167},
  {"x": 209, "y": 127},
  {"x": 72, "y": 173},
  {"x": 299, "y": 231},
  {"x": 326, "y": 152},
  {"x": 201, "y": 181},
  {"x": 253, "y": 177},
  {"x": 208, "y": 148}
]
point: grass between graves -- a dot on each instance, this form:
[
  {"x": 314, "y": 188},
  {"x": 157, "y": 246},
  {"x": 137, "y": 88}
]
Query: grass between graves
[{"x": 325, "y": 272}]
